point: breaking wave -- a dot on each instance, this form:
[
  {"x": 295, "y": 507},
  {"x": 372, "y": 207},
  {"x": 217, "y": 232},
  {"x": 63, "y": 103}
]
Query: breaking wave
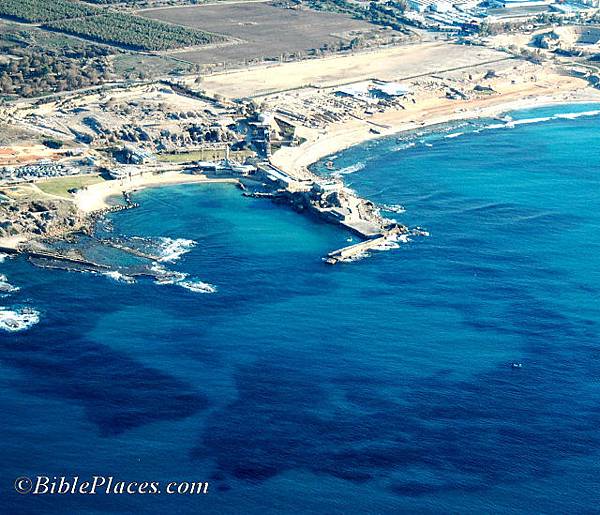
[
  {"x": 393, "y": 208},
  {"x": 198, "y": 286},
  {"x": 357, "y": 167},
  {"x": 392, "y": 242},
  {"x": 572, "y": 116},
  {"x": 405, "y": 146},
  {"x": 355, "y": 257},
  {"x": 5, "y": 286},
  {"x": 119, "y": 277},
  {"x": 14, "y": 320},
  {"x": 510, "y": 123},
  {"x": 172, "y": 249},
  {"x": 169, "y": 277}
]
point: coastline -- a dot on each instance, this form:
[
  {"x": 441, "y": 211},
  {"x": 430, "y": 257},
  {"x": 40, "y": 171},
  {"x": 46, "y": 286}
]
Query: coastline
[
  {"x": 340, "y": 136},
  {"x": 95, "y": 197}
]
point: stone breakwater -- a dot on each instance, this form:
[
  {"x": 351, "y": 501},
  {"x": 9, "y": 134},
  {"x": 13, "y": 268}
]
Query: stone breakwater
[{"x": 331, "y": 201}]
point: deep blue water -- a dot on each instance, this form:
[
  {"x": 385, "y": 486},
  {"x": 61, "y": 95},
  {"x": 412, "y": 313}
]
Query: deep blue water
[{"x": 381, "y": 386}]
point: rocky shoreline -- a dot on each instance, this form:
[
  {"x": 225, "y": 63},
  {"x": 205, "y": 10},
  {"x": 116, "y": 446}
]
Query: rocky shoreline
[{"x": 40, "y": 218}]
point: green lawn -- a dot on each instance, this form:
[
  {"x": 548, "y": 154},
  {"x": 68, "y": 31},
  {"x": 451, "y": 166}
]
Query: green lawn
[{"x": 61, "y": 185}]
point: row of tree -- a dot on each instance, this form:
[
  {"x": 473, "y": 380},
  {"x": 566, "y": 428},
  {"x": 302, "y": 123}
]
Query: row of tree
[
  {"x": 42, "y": 11},
  {"x": 134, "y": 32},
  {"x": 105, "y": 26}
]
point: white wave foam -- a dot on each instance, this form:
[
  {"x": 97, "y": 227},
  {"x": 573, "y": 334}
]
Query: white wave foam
[
  {"x": 406, "y": 146},
  {"x": 510, "y": 123},
  {"x": 356, "y": 167},
  {"x": 394, "y": 208},
  {"x": 386, "y": 245},
  {"x": 355, "y": 257},
  {"x": 493, "y": 126},
  {"x": 453, "y": 135},
  {"x": 119, "y": 277},
  {"x": 3, "y": 257},
  {"x": 392, "y": 242},
  {"x": 169, "y": 277},
  {"x": 527, "y": 121},
  {"x": 18, "y": 319},
  {"x": 198, "y": 286},
  {"x": 572, "y": 116},
  {"x": 5, "y": 286},
  {"x": 418, "y": 231},
  {"x": 173, "y": 249},
  {"x": 165, "y": 276}
]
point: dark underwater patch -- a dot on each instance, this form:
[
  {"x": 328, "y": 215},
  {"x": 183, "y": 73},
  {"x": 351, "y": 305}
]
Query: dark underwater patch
[
  {"x": 492, "y": 429},
  {"x": 116, "y": 392}
]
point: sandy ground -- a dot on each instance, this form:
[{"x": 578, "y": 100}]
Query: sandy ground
[
  {"x": 397, "y": 63},
  {"x": 12, "y": 242},
  {"x": 95, "y": 196},
  {"x": 339, "y": 136}
]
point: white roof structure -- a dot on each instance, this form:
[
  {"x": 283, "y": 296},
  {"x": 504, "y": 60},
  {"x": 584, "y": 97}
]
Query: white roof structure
[
  {"x": 430, "y": 5},
  {"x": 365, "y": 90},
  {"x": 392, "y": 89},
  {"x": 355, "y": 90}
]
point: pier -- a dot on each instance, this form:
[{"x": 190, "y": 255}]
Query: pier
[
  {"x": 356, "y": 250},
  {"x": 330, "y": 201}
]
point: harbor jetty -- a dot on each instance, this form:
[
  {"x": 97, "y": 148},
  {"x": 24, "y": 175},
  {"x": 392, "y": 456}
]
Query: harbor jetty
[
  {"x": 358, "y": 250},
  {"x": 331, "y": 201}
]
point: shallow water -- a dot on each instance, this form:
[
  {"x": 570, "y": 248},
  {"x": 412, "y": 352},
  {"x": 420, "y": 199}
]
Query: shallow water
[{"x": 380, "y": 386}]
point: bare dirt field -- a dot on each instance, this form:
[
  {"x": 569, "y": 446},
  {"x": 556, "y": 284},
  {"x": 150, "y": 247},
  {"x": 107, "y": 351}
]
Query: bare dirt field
[
  {"x": 25, "y": 154},
  {"x": 264, "y": 31},
  {"x": 396, "y": 63}
]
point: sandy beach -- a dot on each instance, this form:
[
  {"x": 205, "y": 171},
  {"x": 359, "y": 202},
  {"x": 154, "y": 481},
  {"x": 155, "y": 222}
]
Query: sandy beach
[
  {"x": 95, "y": 197},
  {"x": 433, "y": 111}
]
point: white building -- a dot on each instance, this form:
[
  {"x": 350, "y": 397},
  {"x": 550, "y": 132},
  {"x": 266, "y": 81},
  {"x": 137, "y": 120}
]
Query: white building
[
  {"x": 392, "y": 89},
  {"x": 439, "y": 6}
]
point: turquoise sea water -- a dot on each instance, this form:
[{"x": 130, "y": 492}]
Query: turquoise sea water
[{"x": 381, "y": 386}]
